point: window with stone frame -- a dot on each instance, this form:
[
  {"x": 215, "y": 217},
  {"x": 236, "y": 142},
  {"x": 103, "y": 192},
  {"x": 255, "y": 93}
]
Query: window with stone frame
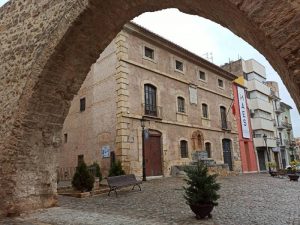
[
  {"x": 150, "y": 100},
  {"x": 184, "y": 149},
  {"x": 202, "y": 75},
  {"x": 149, "y": 53},
  {"x": 208, "y": 149},
  {"x": 178, "y": 65},
  {"x": 181, "y": 106},
  {"x": 220, "y": 83},
  {"x": 204, "y": 110}
]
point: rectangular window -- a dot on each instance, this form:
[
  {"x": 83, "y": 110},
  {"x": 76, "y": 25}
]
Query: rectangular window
[
  {"x": 65, "y": 138},
  {"x": 204, "y": 111},
  {"x": 202, "y": 75},
  {"x": 180, "y": 101},
  {"x": 184, "y": 149},
  {"x": 149, "y": 53},
  {"x": 220, "y": 83},
  {"x": 179, "y": 65},
  {"x": 82, "y": 104}
]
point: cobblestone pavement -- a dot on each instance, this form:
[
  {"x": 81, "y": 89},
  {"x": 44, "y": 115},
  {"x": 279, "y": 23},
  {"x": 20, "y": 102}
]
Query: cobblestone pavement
[{"x": 245, "y": 200}]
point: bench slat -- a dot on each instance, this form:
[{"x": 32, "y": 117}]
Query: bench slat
[{"x": 122, "y": 181}]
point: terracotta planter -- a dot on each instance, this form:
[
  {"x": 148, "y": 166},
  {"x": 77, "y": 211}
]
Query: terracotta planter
[
  {"x": 202, "y": 210},
  {"x": 293, "y": 177}
]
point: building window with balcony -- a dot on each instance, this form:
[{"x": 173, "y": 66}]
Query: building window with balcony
[
  {"x": 150, "y": 100},
  {"x": 204, "y": 111},
  {"x": 223, "y": 117},
  {"x": 180, "y": 103},
  {"x": 208, "y": 149},
  {"x": 184, "y": 149}
]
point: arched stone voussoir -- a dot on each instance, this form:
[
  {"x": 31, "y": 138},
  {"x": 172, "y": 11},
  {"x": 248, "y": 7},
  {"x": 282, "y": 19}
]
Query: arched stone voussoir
[{"x": 47, "y": 48}]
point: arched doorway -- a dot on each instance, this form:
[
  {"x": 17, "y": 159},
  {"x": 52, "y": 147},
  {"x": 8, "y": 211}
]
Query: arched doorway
[
  {"x": 153, "y": 154},
  {"x": 41, "y": 72},
  {"x": 227, "y": 153}
]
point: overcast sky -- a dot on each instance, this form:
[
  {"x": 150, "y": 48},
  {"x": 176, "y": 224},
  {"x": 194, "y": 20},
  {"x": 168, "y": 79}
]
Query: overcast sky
[{"x": 202, "y": 36}]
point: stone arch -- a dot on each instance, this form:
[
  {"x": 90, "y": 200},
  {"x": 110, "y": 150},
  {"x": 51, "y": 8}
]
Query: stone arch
[
  {"x": 47, "y": 48},
  {"x": 197, "y": 140}
]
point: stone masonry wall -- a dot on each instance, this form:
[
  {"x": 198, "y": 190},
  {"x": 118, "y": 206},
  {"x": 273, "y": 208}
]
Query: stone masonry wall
[{"x": 47, "y": 48}]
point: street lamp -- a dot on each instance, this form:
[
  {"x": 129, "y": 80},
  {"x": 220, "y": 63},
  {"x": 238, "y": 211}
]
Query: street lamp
[
  {"x": 266, "y": 142},
  {"x": 143, "y": 148}
]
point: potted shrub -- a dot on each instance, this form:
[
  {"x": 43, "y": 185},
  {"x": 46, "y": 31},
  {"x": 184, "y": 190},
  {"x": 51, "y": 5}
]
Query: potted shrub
[
  {"x": 83, "y": 180},
  {"x": 272, "y": 166},
  {"x": 116, "y": 169},
  {"x": 201, "y": 192},
  {"x": 292, "y": 171}
]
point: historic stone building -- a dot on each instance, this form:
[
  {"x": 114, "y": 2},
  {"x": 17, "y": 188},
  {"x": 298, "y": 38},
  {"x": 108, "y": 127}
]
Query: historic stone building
[{"x": 183, "y": 99}]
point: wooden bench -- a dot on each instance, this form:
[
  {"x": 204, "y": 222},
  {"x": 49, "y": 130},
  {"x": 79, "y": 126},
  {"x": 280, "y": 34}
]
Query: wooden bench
[{"x": 118, "y": 182}]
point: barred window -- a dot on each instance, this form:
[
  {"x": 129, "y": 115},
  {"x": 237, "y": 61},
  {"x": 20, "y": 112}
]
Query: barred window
[
  {"x": 180, "y": 102},
  {"x": 184, "y": 149},
  {"x": 204, "y": 111}
]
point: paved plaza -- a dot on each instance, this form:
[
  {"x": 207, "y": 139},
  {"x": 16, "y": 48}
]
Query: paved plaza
[{"x": 245, "y": 200}]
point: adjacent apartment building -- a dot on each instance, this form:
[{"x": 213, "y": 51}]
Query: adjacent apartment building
[
  {"x": 183, "y": 100},
  {"x": 270, "y": 118},
  {"x": 283, "y": 125}
]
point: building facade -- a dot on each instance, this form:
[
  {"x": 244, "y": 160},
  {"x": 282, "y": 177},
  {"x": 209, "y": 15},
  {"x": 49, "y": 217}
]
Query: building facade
[
  {"x": 286, "y": 136},
  {"x": 183, "y": 100},
  {"x": 261, "y": 109},
  {"x": 245, "y": 133},
  {"x": 283, "y": 125},
  {"x": 297, "y": 148}
]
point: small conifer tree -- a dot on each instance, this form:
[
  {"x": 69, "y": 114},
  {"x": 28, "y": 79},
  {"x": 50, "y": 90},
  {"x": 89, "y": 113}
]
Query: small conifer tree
[
  {"x": 97, "y": 169},
  {"x": 83, "y": 180},
  {"x": 116, "y": 169},
  {"x": 202, "y": 187}
]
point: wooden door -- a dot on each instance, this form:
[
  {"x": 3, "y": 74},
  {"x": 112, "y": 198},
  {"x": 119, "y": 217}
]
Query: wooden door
[{"x": 153, "y": 154}]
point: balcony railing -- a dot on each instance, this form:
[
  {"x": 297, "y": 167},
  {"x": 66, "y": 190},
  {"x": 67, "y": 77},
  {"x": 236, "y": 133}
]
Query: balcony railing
[
  {"x": 278, "y": 110},
  {"x": 152, "y": 111},
  {"x": 279, "y": 125},
  {"x": 274, "y": 94},
  {"x": 286, "y": 125},
  {"x": 225, "y": 125}
]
